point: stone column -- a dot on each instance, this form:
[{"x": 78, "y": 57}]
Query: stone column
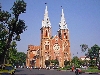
[
  {"x": 60, "y": 62},
  {"x": 42, "y": 61}
]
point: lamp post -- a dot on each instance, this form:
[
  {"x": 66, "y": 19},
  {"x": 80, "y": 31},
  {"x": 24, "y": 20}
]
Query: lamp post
[{"x": 99, "y": 60}]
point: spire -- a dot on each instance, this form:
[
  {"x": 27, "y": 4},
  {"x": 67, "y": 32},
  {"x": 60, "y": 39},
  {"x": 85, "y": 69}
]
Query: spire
[
  {"x": 46, "y": 21},
  {"x": 63, "y": 24}
]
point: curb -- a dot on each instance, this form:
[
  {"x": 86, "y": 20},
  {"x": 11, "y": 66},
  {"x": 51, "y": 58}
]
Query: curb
[
  {"x": 82, "y": 72},
  {"x": 59, "y": 70},
  {"x": 64, "y": 70},
  {"x": 91, "y": 73}
]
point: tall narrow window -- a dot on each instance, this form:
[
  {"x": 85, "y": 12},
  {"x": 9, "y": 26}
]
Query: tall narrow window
[
  {"x": 65, "y": 36},
  {"x": 46, "y": 33},
  {"x": 60, "y": 35}
]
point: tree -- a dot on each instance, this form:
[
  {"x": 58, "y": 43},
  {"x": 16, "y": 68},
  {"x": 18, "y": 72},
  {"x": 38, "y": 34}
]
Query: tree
[
  {"x": 12, "y": 54},
  {"x": 11, "y": 27},
  {"x": 66, "y": 62},
  {"x": 21, "y": 58},
  {"x": 56, "y": 62},
  {"x": 15, "y": 57},
  {"x": 84, "y": 47},
  {"x": 93, "y": 53},
  {"x": 76, "y": 61}
]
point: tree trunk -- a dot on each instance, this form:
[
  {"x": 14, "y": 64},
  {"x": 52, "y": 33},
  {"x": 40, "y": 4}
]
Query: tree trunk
[
  {"x": 96, "y": 61},
  {"x": 1, "y": 59},
  {"x": 7, "y": 46},
  {"x": 4, "y": 58}
]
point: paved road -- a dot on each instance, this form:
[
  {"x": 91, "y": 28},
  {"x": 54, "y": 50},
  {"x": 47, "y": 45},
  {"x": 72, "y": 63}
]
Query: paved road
[{"x": 25, "y": 71}]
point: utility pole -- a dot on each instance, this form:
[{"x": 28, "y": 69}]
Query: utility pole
[{"x": 99, "y": 60}]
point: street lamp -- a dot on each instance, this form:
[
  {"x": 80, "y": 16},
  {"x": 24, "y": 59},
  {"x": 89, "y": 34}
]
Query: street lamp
[{"x": 99, "y": 60}]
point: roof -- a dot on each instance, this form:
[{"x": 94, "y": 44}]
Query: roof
[{"x": 33, "y": 47}]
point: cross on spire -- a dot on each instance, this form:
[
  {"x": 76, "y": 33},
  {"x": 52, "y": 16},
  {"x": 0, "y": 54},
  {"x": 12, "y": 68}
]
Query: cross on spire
[{"x": 45, "y": 3}]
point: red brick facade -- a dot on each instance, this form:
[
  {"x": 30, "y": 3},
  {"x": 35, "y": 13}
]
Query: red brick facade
[{"x": 51, "y": 48}]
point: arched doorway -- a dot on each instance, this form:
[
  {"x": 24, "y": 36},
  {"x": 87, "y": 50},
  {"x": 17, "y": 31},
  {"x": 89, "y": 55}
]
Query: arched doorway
[{"x": 47, "y": 63}]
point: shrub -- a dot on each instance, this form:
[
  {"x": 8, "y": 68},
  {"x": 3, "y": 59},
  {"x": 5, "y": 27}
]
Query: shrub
[
  {"x": 77, "y": 66},
  {"x": 68, "y": 67},
  {"x": 93, "y": 67}
]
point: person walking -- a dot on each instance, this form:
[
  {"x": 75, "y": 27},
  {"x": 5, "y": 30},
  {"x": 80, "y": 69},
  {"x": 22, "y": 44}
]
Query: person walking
[{"x": 72, "y": 68}]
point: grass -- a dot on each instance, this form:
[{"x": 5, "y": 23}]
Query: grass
[
  {"x": 92, "y": 70},
  {"x": 65, "y": 68}
]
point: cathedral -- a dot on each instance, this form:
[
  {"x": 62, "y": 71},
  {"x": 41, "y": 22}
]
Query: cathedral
[{"x": 51, "y": 47}]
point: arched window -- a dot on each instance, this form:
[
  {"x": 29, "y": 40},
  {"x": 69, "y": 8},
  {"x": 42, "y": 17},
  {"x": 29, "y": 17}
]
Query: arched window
[
  {"x": 60, "y": 35},
  {"x": 46, "y": 33},
  {"x": 65, "y": 36}
]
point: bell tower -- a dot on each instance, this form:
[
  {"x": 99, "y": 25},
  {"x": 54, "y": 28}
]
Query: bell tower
[
  {"x": 63, "y": 34},
  {"x": 63, "y": 31},
  {"x": 45, "y": 38},
  {"x": 46, "y": 26}
]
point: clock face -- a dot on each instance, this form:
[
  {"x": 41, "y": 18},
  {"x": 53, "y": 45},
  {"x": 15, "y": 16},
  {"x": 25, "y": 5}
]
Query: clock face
[{"x": 56, "y": 47}]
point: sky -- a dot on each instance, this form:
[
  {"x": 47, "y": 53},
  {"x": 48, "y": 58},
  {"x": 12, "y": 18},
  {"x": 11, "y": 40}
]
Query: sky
[{"x": 82, "y": 17}]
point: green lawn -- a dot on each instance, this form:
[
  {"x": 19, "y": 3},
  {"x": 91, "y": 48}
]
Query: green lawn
[
  {"x": 64, "y": 68},
  {"x": 91, "y": 70},
  {"x": 88, "y": 70}
]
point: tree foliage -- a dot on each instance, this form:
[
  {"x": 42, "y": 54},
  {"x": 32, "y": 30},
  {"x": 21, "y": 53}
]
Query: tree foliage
[
  {"x": 11, "y": 26},
  {"x": 21, "y": 58},
  {"x": 93, "y": 53},
  {"x": 12, "y": 54},
  {"x": 66, "y": 62},
  {"x": 76, "y": 61},
  {"x": 84, "y": 47},
  {"x": 55, "y": 62},
  {"x": 15, "y": 57}
]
